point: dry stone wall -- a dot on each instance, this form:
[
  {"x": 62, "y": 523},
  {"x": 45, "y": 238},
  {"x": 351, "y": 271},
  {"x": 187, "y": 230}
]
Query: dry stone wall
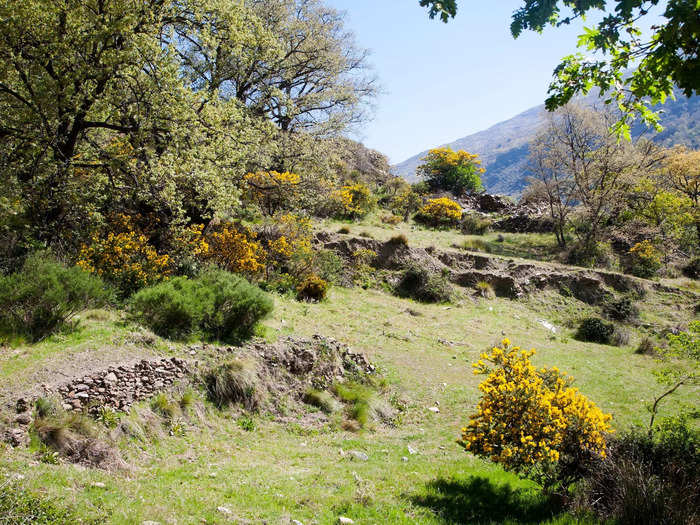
[{"x": 118, "y": 387}]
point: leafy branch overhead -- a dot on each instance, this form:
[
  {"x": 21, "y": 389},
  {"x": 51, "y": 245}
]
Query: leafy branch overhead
[{"x": 632, "y": 70}]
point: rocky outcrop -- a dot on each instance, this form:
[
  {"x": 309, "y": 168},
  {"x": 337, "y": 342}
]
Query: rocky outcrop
[
  {"x": 508, "y": 277},
  {"x": 118, "y": 387}
]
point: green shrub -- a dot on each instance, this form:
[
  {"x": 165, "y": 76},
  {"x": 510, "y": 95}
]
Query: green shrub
[
  {"x": 44, "y": 295},
  {"x": 595, "y": 330},
  {"x": 644, "y": 260},
  {"x": 218, "y": 305},
  {"x": 246, "y": 423},
  {"x": 329, "y": 266},
  {"x": 162, "y": 405},
  {"x": 423, "y": 285},
  {"x": 472, "y": 224},
  {"x": 313, "y": 288},
  {"x": 622, "y": 309},
  {"x": 18, "y": 505},
  {"x": 597, "y": 255},
  {"x": 646, "y": 479},
  {"x": 232, "y": 383}
]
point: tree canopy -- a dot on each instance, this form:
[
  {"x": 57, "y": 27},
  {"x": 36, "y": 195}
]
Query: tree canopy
[{"x": 632, "y": 71}]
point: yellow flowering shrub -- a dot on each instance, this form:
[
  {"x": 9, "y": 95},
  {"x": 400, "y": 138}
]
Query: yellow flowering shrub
[
  {"x": 124, "y": 258},
  {"x": 455, "y": 171},
  {"x": 441, "y": 211},
  {"x": 353, "y": 201},
  {"x": 235, "y": 249},
  {"x": 272, "y": 190},
  {"x": 532, "y": 421},
  {"x": 645, "y": 259}
]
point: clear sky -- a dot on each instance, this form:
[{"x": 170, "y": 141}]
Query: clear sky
[{"x": 445, "y": 81}]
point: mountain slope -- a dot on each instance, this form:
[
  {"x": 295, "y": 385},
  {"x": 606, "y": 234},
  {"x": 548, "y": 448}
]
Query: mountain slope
[{"x": 503, "y": 147}]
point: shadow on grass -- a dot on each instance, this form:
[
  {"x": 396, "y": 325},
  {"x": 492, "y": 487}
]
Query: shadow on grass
[{"x": 477, "y": 499}]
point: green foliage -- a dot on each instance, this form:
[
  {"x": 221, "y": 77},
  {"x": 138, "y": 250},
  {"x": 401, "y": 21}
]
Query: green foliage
[
  {"x": 18, "y": 505},
  {"x": 455, "y": 171},
  {"x": 312, "y": 288},
  {"x": 647, "y": 479},
  {"x": 359, "y": 398},
  {"x": 234, "y": 382},
  {"x": 589, "y": 255},
  {"x": 247, "y": 423},
  {"x": 421, "y": 284},
  {"x": 644, "y": 259},
  {"x": 595, "y": 330},
  {"x": 622, "y": 309},
  {"x": 162, "y": 405},
  {"x": 44, "y": 295},
  {"x": 329, "y": 266},
  {"x": 219, "y": 305}
]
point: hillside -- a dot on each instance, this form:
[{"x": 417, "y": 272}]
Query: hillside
[{"x": 504, "y": 146}]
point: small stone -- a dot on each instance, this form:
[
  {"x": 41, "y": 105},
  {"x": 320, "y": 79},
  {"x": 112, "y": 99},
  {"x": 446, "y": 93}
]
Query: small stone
[
  {"x": 359, "y": 455},
  {"x": 111, "y": 377},
  {"x": 22, "y": 405},
  {"x": 297, "y": 522},
  {"x": 224, "y": 510},
  {"x": 345, "y": 521},
  {"x": 23, "y": 419},
  {"x": 150, "y": 523},
  {"x": 412, "y": 450},
  {"x": 98, "y": 485},
  {"x": 435, "y": 410},
  {"x": 404, "y": 459}
]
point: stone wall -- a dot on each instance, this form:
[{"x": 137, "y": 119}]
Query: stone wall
[{"x": 118, "y": 387}]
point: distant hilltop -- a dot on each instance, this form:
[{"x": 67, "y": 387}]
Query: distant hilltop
[{"x": 503, "y": 147}]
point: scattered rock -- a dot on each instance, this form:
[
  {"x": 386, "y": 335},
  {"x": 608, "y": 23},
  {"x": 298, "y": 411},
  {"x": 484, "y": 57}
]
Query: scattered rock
[
  {"x": 435, "y": 410},
  {"x": 23, "y": 419},
  {"x": 224, "y": 510},
  {"x": 345, "y": 521},
  {"x": 412, "y": 450},
  {"x": 359, "y": 455},
  {"x": 98, "y": 485},
  {"x": 16, "y": 437}
]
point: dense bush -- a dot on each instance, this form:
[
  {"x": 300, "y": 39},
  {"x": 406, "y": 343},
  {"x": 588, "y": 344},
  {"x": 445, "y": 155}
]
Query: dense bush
[
  {"x": 455, "y": 171},
  {"x": 353, "y": 201},
  {"x": 532, "y": 421},
  {"x": 622, "y": 309},
  {"x": 595, "y": 330},
  {"x": 598, "y": 255},
  {"x": 440, "y": 212},
  {"x": 472, "y": 224},
  {"x": 329, "y": 266},
  {"x": 44, "y": 295},
  {"x": 312, "y": 288},
  {"x": 217, "y": 305},
  {"x": 647, "y": 479},
  {"x": 423, "y": 285},
  {"x": 692, "y": 269}
]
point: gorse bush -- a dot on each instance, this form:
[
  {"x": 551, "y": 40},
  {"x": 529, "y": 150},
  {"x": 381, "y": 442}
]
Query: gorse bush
[
  {"x": 644, "y": 259},
  {"x": 124, "y": 257},
  {"x": 455, "y": 171},
  {"x": 312, "y": 288},
  {"x": 353, "y": 201},
  {"x": 595, "y": 330},
  {"x": 440, "y": 212},
  {"x": 217, "y": 305},
  {"x": 421, "y": 284},
  {"x": 532, "y": 421},
  {"x": 44, "y": 295}
]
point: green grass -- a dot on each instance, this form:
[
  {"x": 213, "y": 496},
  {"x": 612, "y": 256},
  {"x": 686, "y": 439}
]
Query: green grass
[{"x": 280, "y": 471}]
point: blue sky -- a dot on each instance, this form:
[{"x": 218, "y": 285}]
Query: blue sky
[{"x": 445, "y": 81}]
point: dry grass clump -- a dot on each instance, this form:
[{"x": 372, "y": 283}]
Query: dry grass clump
[
  {"x": 485, "y": 290},
  {"x": 234, "y": 382}
]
